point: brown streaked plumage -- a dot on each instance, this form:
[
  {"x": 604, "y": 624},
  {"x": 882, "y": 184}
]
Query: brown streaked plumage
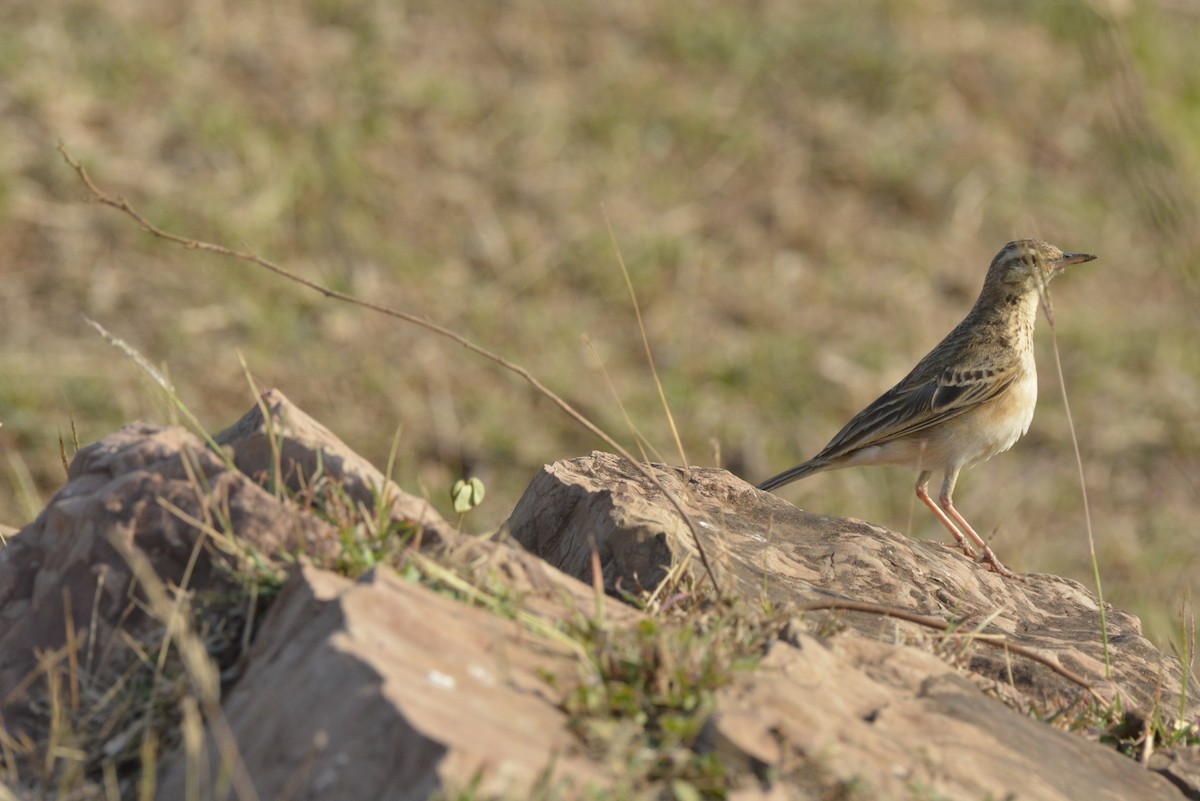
[{"x": 970, "y": 398}]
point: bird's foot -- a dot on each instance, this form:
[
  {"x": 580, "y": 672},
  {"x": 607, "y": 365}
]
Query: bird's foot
[
  {"x": 991, "y": 561},
  {"x": 965, "y": 547}
]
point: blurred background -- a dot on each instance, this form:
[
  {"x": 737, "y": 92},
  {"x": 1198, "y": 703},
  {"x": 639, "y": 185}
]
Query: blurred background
[{"x": 807, "y": 196}]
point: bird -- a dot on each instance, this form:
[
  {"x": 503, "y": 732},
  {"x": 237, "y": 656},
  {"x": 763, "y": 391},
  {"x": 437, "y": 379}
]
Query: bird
[{"x": 968, "y": 399}]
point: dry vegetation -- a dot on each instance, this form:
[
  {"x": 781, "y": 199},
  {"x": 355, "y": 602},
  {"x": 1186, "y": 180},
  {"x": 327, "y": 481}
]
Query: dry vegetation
[{"x": 806, "y": 194}]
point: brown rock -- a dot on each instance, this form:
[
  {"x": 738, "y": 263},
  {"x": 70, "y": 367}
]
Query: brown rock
[
  {"x": 763, "y": 548},
  {"x": 302, "y": 450},
  {"x": 383, "y": 684},
  {"x": 386, "y": 689},
  {"x": 143, "y": 487},
  {"x": 898, "y": 723},
  {"x": 308, "y": 450},
  {"x": 1182, "y": 767}
]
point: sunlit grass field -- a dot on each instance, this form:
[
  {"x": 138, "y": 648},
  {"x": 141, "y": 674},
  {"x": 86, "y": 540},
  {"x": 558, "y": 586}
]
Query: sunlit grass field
[{"x": 806, "y": 195}]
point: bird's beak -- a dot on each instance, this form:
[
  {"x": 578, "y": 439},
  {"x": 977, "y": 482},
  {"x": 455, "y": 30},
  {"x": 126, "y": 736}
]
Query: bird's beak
[{"x": 1072, "y": 258}]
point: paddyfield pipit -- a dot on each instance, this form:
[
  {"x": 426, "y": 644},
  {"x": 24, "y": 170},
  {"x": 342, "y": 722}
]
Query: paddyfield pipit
[{"x": 970, "y": 398}]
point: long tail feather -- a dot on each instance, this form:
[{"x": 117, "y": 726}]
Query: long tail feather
[{"x": 795, "y": 474}]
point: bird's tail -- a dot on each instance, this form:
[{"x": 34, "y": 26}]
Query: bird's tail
[{"x": 795, "y": 474}]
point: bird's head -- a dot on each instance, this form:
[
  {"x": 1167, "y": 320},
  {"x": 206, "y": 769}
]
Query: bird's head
[{"x": 1031, "y": 263}]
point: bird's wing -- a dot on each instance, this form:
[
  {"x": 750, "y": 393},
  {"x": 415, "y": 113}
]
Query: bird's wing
[{"x": 918, "y": 403}]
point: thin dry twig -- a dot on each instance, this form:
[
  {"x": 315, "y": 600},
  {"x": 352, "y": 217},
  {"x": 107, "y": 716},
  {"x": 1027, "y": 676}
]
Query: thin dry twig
[
  {"x": 995, "y": 641},
  {"x": 121, "y": 204}
]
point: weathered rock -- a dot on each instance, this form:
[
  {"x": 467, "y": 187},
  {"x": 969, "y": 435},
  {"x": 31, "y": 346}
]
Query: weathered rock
[
  {"x": 61, "y": 576},
  {"x": 406, "y": 688},
  {"x": 154, "y": 489},
  {"x": 304, "y": 450},
  {"x": 1182, "y": 767},
  {"x": 386, "y": 689},
  {"x": 761, "y": 547},
  {"x": 900, "y": 723}
]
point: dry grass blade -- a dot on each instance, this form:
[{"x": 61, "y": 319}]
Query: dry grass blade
[
  {"x": 1087, "y": 514},
  {"x": 642, "y": 441},
  {"x": 134, "y": 354},
  {"x": 124, "y": 206},
  {"x": 1048, "y": 308},
  {"x": 201, "y": 671},
  {"x": 163, "y": 382},
  {"x": 637, "y": 310},
  {"x": 474, "y": 594}
]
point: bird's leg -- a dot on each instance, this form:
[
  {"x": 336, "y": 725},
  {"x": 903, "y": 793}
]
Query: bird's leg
[
  {"x": 988, "y": 555},
  {"x": 923, "y": 494},
  {"x": 948, "y": 505}
]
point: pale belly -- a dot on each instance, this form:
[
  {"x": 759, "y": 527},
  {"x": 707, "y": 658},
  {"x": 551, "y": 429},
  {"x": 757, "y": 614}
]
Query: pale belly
[{"x": 979, "y": 434}]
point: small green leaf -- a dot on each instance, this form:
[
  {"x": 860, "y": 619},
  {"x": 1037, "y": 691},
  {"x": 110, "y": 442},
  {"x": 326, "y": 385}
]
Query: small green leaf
[{"x": 467, "y": 495}]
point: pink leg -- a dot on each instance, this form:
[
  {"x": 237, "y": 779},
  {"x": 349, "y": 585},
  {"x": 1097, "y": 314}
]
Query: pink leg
[
  {"x": 923, "y": 494},
  {"x": 948, "y": 505},
  {"x": 988, "y": 556}
]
